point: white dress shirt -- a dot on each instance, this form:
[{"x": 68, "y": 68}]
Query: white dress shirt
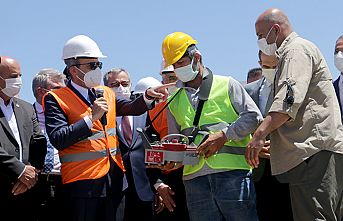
[
  {"x": 10, "y": 117},
  {"x": 264, "y": 95}
]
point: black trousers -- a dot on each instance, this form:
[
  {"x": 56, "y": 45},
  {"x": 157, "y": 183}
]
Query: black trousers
[
  {"x": 134, "y": 206},
  {"x": 273, "y": 200},
  {"x": 51, "y": 200},
  {"x": 97, "y": 199},
  {"x": 24, "y": 206}
]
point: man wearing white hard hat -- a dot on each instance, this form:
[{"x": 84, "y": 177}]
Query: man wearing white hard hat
[{"x": 81, "y": 124}]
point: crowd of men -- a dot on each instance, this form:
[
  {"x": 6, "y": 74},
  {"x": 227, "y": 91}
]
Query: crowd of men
[{"x": 271, "y": 149}]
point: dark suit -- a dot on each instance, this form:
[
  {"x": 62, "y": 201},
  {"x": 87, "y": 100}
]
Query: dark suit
[
  {"x": 337, "y": 90},
  {"x": 102, "y": 195},
  {"x": 272, "y": 197},
  {"x": 139, "y": 195},
  {"x": 33, "y": 145}
]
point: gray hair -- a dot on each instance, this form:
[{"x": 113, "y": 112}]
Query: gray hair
[
  {"x": 114, "y": 71},
  {"x": 43, "y": 76}
]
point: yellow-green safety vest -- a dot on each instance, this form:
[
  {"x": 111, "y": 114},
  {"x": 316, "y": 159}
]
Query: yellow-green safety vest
[{"x": 216, "y": 114}]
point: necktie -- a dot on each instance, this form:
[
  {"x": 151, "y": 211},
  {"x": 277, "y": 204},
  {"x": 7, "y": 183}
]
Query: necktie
[
  {"x": 126, "y": 129},
  {"x": 91, "y": 96},
  {"x": 49, "y": 157}
]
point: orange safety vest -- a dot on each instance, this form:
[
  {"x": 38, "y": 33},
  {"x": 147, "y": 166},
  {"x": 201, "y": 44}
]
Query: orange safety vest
[
  {"x": 160, "y": 124},
  {"x": 88, "y": 158}
]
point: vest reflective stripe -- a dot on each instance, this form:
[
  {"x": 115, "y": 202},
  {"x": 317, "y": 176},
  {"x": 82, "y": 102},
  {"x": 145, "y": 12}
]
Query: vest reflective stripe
[
  {"x": 217, "y": 114},
  {"x": 100, "y": 134},
  {"x": 88, "y": 155}
]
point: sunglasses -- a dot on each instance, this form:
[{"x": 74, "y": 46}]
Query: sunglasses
[{"x": 92, "y": 65}]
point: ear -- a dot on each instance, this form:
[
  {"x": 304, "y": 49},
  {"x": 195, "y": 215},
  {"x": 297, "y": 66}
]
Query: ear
[
  {"x": 72, "y": 70},
  {"x": 197, "y": 55},
  {"x": 277, "y": 29}
]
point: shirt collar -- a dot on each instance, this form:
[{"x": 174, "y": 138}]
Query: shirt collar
[
  {"x": 39, "y": 107},
  {"x": 340, "y": 82},
  {"x": 2, "y": 103},
  {"x": 83, "y": 91},
  {"x": 285, "y": 42}
]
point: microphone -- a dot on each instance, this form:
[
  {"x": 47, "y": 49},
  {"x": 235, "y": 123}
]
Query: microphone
[{"x": 99, "y": 92}]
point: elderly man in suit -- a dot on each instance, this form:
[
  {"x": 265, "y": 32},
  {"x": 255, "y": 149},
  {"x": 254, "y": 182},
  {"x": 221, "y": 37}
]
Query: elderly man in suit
[
  {"x": 139, "y": 195},
  {"x": 338, "y": 83},
  {"x": 22, "y": 147},
  {"x": 272, "y": 197}
]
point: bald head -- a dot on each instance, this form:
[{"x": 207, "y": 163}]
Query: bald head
[
  {"x": 274, "y": 22},
  {"x": 9, "y": 69},
  {"x": 8, "y": 66}
]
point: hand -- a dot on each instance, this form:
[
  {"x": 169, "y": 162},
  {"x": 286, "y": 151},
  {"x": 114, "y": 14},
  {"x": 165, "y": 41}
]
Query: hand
[
  {"x": 99, "y": 109},
  {"x": 166, "y": 193},
  {"x": 19, "y": 188},
  {"x": 253, "y": 150},
  {"x": 159, "y": 206},
  {"x": 212, "y": 144},
  {"x": 29, "y": 176},
  {"x": 159, "y": 92},
  {"x": 265, "y": 150}
]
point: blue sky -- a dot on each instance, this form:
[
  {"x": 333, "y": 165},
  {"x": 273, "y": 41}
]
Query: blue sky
[{"x": 130, "y": 33}]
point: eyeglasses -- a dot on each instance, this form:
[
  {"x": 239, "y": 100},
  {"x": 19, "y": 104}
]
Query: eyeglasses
[
  {"x": 92, "y": 65},
  {"x": 118, "y": 83}
]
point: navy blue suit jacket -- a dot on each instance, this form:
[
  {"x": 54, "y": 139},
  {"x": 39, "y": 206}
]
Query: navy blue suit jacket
[
  {"x": 133, "y": 157},
  {"x": 336, "y": 86},
  {"x": 62, "y": 135}
]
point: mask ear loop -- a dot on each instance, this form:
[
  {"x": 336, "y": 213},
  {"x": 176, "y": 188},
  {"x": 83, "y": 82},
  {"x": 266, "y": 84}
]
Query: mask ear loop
[
  {"x": 81, "y": 72},
  {"x": 271, "y": 28}
]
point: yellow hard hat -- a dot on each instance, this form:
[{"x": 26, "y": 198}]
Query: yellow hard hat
[{"x": 175, "y": 45}]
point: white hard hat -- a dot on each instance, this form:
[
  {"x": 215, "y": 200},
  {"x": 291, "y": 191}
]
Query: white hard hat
[
  {"x": 81, "y": 46},
  {"x": 145, "y": 83},
  {"x": 169, "y": 68}
]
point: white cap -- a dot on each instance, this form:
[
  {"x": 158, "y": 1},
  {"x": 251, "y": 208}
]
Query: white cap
[
  {"x": 169, "y": 68},
  {"x": 145, "y": 83},
  {"x": 81, "y": 46}
]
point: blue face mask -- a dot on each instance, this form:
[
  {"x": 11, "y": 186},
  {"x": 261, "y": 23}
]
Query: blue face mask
[{"x": 186, "y": 73}]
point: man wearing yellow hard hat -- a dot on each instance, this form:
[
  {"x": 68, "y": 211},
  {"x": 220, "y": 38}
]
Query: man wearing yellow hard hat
[{"x": 219, "y": 187}]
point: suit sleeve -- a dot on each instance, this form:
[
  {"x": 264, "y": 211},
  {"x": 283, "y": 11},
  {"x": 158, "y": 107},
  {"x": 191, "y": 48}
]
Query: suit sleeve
[
  {"x": 37, "y": 147},
  {"x": 61, "y": 134},
  {"x": 10, "y": 165},
  {"x": 134, "y": 108}
]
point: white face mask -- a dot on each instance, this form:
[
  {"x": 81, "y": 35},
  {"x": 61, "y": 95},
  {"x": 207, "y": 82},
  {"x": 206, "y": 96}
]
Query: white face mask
[
  {"x": 122, "y": 92},
  {"x": 339, "y": 61},
  {"x": 91, "y": 78},
  {"x": 268, "y": 49},
  {"x": 187, "y": 73},
  {"x": 13, "y": 86},
  {"x": 269, "y": 74}
]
